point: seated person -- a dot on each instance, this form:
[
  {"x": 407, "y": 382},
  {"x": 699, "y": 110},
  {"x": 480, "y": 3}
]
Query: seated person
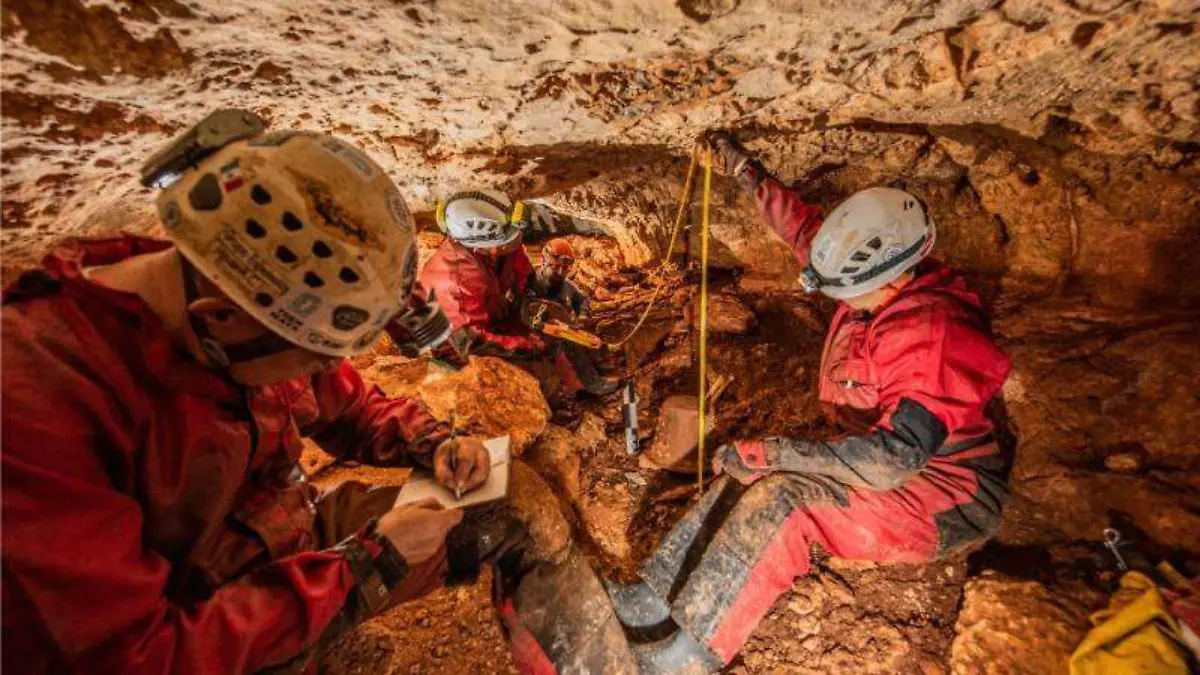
[
  {"x": 481, "y": 277},
  {"x": 551, "y": 282}
]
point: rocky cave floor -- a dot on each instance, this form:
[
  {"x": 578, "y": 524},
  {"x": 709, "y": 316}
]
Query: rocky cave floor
[{"x": 1087, "y": 401}]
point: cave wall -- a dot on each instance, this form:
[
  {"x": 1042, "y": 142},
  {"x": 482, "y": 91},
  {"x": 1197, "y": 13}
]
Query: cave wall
[{"x": 1062, "y": 133}]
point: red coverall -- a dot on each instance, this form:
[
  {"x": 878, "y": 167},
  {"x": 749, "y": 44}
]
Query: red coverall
[
  {"x": 918, "y": 475},
  {"x": 482, "y": 300},
  {"x": 150, "y": 524}
]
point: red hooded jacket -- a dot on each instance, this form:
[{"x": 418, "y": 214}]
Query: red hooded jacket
[
  {"x": 481, "y": 300},
  {"x": 150, "y": 525},
  {"x": 925, "y": 361}
]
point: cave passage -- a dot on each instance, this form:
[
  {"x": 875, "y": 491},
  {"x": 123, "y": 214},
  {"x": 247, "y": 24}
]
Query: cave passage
[{"x": 1054, "y": 146}]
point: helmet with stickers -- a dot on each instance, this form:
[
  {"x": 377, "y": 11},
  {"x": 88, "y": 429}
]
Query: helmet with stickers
[{"x": 301, "y": 230}]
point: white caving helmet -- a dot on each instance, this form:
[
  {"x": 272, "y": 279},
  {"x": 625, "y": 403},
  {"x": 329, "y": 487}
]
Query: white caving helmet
[
  {"x": 482, "y": 219},
  {"x": 301, "y": 230},
  {"x": 868, "y": 241}
]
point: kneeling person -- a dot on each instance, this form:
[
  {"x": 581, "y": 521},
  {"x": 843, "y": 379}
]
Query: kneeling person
[{"x": 481, "y": 278}]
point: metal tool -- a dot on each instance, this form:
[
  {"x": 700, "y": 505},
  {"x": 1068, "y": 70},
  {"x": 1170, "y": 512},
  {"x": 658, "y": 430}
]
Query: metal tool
[
  {"x": 629, "y": 413},
  {"x": 1112, "y": 541}
]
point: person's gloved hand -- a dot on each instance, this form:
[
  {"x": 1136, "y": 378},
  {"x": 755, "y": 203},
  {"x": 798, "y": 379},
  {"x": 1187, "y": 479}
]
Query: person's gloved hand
[
  {"x": 418, "y": 530},
  {"x": 729, "y": 159},
  {"x": 745, "y": 461},
  {"x": 462, "y": 464}
]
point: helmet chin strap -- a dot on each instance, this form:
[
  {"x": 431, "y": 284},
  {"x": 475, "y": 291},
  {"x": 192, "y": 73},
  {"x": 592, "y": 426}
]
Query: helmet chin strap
[{"x": 221, "y": 354}]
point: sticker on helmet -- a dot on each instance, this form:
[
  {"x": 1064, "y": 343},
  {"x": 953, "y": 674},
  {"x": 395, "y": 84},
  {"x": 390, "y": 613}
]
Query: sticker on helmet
[
  {"x": 892, "y": 251},
  {"x": 409, "y": 276},
  {"x": 346, "y": 318},
  {"x": 171, "y": 215},
  {"x": 231, "y": 176},
  {"x": 243, "y": 265},
  {"x": 335, "y": 217},
  {"x": 315, "y": 338},
  {"x": 305, "y": 304},
  {"x": 822, "y": 251},
  {"x": 286, "y": 319},
  {"x": 399, "y": 210},
  {"x": 350, "y": 155}
]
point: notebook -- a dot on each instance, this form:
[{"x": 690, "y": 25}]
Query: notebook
[{"x": 422, "y": 485}]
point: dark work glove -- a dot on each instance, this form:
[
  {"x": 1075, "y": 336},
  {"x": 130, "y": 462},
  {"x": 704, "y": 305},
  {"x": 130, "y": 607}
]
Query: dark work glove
[
  {"x": 745, "y": 461},
  {"x": 729, "y": 159}
]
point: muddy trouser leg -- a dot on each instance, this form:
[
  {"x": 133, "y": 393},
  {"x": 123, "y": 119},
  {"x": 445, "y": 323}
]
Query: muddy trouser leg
[
  {"x": 726, "y": 562},
  {"x": 583, "y": 364},
  {"x": 556, "y": 613},
  {"x": 559, "y": 620}
]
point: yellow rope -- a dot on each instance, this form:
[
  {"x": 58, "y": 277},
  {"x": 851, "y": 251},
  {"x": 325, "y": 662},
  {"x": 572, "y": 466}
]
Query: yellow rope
[
  {"x": 703, "y": 320},
  {"x": 684, "y": 199}
]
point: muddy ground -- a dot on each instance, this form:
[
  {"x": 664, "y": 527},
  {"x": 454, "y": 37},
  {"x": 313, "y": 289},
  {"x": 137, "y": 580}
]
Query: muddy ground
[{"x": 1070, "y": 408}]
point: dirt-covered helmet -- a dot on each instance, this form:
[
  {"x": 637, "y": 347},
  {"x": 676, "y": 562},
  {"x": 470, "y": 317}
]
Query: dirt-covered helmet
[
  {"x": 302, "y": 230},
  {"x": 868, "y": 241},
  {"x": 558, "y": 254},
  {"x": 481, "y": 219}
]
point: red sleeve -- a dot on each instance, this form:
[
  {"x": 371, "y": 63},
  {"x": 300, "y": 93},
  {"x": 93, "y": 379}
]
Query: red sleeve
[
  {"x": 466, "y": 305},
  {"x": 793, "y": 220},
  {"x": 358, "y": 421},
  {"x": 942, "y": 357},
  {"x": 81, "y": 584}
]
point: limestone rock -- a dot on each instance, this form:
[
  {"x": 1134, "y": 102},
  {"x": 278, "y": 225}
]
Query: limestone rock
[
  {"x": 556, "y": 454},
  {"x": 607, "y": 514},
  {"x": 729, "y": 315},
  {"x": 539, "y": 508},
  {"x": 1008, "y": 626},
  {"x": 489, "y": 397}
]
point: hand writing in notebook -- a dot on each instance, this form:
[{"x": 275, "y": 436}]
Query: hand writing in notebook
[{"x": 462, "y": 464}]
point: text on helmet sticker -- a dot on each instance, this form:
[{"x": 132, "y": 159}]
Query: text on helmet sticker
[
  {"x": 399, "y": 210},
  {"x": 350, "y": 156},
  {"x": 322, "y": 340},
  {"x": 286, "y": 319},
  {"x": 409, "y": 275},
  {"x": 337, "y": 220},
  {"x": 347, "y": 318},
  {"x": 305, "y": 304},
  {"x": 243, "y": 265}
]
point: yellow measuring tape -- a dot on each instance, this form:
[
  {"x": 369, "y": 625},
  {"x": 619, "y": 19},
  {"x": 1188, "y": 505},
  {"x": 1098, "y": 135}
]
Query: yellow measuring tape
[
  {"x": 684, "y": 200},
  {"x": 703, "y": 405}
]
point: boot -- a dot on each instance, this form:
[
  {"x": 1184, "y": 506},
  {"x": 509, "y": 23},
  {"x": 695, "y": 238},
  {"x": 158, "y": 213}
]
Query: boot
[
  {"x": 638, "y": 608},
  {"x": 585, "y": 369},
  {"x": 657, "y": 642},
  {"x": 559, "y": 620},
  {"x": 678, "y": 654}
]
